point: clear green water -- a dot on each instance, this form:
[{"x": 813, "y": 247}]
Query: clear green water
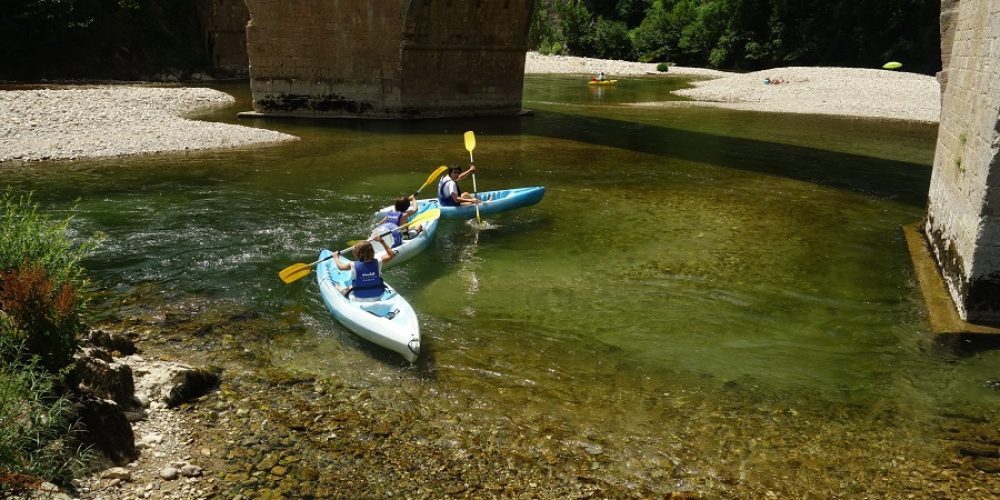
[{"x": 693, "y": 275}]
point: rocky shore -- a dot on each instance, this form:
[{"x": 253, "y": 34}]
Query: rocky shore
[
  {"x": 116, "y": 120},
  {"x": 266, "y": 432}
]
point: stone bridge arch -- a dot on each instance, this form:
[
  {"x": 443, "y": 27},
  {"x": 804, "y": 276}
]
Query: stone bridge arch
[{"x": 387, "y": 58}]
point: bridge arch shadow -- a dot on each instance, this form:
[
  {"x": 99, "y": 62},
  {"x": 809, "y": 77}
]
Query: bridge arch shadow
[{"x": 895, "y": 180}]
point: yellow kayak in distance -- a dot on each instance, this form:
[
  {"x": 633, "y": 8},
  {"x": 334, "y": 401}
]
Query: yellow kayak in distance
[{"x": 602, "y": 82}]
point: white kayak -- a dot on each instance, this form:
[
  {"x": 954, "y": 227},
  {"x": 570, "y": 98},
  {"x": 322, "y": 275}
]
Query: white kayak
[
  {"x": 389, "y": 321},
  {"x": 410, "y": 246}
]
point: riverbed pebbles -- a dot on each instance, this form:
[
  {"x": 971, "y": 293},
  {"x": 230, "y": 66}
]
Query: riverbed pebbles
[{"x": 116, "y": 120}]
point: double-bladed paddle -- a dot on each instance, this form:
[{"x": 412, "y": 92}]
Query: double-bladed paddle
[
  {"x": 299, "y": 270},
  {"x": 470, "y": 144}
]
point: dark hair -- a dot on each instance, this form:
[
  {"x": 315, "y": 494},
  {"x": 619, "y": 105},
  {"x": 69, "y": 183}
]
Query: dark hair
[
  {"x": 402, "y": 204},
  {"x": 455, "y": 169}
]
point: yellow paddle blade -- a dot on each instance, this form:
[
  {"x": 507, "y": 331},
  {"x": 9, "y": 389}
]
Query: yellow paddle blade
[
  {"x": 434, "y": 175},
  {"x": 431, "y": 214},
  {"x": 294, "y": 272},
  {"x": 470, "y": 140}
]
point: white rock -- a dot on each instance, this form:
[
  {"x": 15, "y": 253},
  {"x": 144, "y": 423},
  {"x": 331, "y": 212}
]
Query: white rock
[
  {"x": 168, "y": 473},
  {"x": 117, "y": 473},
  {"x": 190, "y": 470}
]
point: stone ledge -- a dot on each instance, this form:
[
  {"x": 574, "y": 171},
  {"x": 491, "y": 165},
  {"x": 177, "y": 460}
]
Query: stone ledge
[{"x": 941, "y": 312}]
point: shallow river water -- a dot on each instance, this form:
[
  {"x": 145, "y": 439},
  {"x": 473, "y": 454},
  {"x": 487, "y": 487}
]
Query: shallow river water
[{"x": 706, "y": 301}]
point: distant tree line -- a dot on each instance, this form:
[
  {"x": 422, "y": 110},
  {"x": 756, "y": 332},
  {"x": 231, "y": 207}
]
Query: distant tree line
[
  {"x": 744, "y": 34},
  {"x": 122, "y": 39},
  {"x": 134, "y": 39}
]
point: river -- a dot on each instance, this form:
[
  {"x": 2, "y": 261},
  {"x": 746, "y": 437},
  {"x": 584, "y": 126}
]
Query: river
[{"x": 706, "y": 301}]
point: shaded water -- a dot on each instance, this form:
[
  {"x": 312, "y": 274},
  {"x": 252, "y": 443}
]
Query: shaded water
[{"x": 724, "y": 296}]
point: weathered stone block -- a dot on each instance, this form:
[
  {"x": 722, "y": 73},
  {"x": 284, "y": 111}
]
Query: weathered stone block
[{"x": 390, "y": 59}]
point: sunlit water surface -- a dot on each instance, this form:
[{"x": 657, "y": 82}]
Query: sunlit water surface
[{"x": 725, "y": 288}]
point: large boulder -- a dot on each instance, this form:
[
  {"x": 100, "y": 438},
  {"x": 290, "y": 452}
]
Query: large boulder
[
  {"x": 114, "y": 342},
  {"x": 105, "y": 426},
  {"x": 96, "y": 372},
  {"x": 168, "y": 384}
]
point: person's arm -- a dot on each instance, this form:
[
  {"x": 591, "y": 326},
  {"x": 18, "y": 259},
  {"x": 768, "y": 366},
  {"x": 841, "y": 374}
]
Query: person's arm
[
  {"x": 389, "y": 253},
  {"x": 343, "y": 266},
  {"x": 472, "y": 168},
  {"x": 413, "y": 208}
]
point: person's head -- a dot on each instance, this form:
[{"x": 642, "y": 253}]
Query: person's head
[
  {"x": 402, "y": 204},
  {"x": 363, "y": 250},
  {"x": 455, "y": 171}
]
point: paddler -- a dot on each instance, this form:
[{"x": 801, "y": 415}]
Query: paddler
[
  {"x": 400, "y": 215},
  {"x": 448, "y": 188},
  {"x": 366, "y": 272}
]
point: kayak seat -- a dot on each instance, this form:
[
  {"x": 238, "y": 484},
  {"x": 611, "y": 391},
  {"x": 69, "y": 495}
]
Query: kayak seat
[{"x": 381, "y": 310}]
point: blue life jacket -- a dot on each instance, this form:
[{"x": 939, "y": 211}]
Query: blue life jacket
[
  {"x": 446, "y": 201},
  {"x": 393, "y": 217},
  {"x": 367, "y": 283}
]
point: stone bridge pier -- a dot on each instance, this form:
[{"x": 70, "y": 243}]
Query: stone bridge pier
[
  {"x": 387, "y": 58},
  {"x": 963, "y": 213}
]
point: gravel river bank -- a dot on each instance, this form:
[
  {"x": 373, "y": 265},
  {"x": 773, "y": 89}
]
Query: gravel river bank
[{"x": 68, "y": 123}]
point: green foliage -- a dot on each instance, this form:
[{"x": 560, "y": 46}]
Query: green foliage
[
  {"x": 576, "y": 26},
  {"x": 124, "y": 39},
  {"x": 40, "y": 274},
  {"x": 663, "y": 67},
  {"x": 36, "y": 432},
  {"x": 28, "y": 236},
  {"x": 749, "y": 34},
  {"x": 611, "y": 40}
]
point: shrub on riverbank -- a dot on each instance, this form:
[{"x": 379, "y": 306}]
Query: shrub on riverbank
[
  {"x": 40, "y": 274},
  {"x": 36, "y": 442},
  {"x": 40, "y": 321}
]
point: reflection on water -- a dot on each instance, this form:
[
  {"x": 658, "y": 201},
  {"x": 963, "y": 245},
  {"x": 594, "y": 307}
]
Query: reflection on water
[{"x": 726, "y": 290}]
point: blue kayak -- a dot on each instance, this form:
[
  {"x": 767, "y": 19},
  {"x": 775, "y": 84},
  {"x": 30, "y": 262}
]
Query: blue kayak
[{"x": 493, "y": 202}]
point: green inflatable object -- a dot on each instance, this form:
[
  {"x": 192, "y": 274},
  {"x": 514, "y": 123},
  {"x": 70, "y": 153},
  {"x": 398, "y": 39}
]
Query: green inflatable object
[{"x": 892, "y": 65}]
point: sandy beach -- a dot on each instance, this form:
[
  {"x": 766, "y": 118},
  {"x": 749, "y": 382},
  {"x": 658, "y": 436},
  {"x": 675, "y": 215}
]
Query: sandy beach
[
  {"x": 851, "y": 92},
  {"x": 118, "y": 120}
]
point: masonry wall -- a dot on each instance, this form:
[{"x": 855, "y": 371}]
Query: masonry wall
[
  {"x": 387, "y": 58},
  {"x": 949, "y": 21},
  {"x": 224, "y": 25},
  {"x": 465, "y": 57},
  {"x": 963, "y": 225},
  {"x": 316, "y": 57}
]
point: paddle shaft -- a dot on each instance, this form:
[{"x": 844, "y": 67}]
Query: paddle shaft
[
  {"x": 475, "y": 191},
  {"x": 297, "y": 271}
]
